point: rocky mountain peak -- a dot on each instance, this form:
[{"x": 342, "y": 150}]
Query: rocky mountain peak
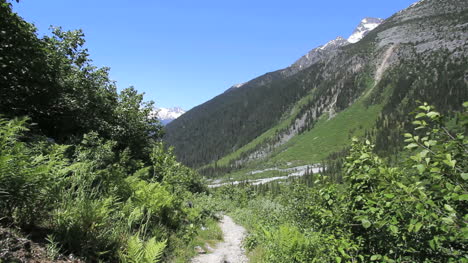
[
  {"x": 334, "y": 44},
  {"x": 367, "y": 24},
  {"x": 315, "y": 55}
]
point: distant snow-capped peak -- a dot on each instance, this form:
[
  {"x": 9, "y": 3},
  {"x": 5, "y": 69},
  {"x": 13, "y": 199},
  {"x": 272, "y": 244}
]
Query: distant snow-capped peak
[
  {"x": 170, "y": 113},
  {"x": 367, "y": 24},
  {"x": 166, "y": 115}
]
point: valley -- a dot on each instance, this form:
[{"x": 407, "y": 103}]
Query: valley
[
  {"x": 326, "y": 111},
  {"x": 300, "y": 125},
  {"x": 355, "y": 152}
]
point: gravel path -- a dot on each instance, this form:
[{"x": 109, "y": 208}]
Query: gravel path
[{"x": 230, "y": 250}]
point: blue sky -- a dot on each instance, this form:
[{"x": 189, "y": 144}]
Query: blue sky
[{"x": 185, "y": 52}]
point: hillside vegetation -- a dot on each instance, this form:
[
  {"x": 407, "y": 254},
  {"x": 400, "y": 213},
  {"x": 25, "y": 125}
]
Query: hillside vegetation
[
  {"x": 418, "y": 54},
  {"x": 411, "y": 211}
]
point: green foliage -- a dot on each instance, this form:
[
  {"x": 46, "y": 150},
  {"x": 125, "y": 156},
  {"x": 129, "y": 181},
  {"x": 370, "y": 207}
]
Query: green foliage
[
  {"x": 140, "y": 251},
  {"x": 288, "y": 244},
  {"x": 27, "y": 179},
  {"x": 89, "y": 176},
  {"x": 411, "y": 211},
  {"x": 52, "y": 80},
  {"x": 52, "y": 247},
  {"x": 91, "y": 205}
]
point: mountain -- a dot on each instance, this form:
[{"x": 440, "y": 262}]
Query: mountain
[
  {"x": 367, "y": 24},
  {"x": 304, "y": 113},
  {"x": 166, "y": 115},
  {"x": 313, "y": 56}
]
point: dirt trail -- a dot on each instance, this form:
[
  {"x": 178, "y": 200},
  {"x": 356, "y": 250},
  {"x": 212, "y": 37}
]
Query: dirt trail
[{"x": 230, "y": 250}]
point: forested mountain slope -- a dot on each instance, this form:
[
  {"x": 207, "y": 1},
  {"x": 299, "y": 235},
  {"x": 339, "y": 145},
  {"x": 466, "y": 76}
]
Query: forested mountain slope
[{"x": 419, "y": 53}]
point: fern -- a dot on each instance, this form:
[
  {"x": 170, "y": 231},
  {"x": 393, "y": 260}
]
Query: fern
[
  {"x": 134, "y": 250},
  {"x": 153, "y": 250},
  {"x": 139, "y": 251},
  {"x": 90, "y": 203}
]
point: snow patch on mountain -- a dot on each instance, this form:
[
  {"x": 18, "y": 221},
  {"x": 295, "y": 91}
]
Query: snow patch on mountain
[
  {"x": 316, "y": 54},
  {"x": 335, "y": 43},
  {"x": 237, "y": 85},
  {"x": 367, "y": 24}
]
